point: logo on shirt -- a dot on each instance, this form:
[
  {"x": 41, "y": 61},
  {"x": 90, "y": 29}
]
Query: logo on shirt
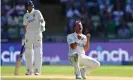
[
  {"x": 32, "y": 20},
  {"x": 80, "y": 45},
  {"x": 33, "y": 15}
]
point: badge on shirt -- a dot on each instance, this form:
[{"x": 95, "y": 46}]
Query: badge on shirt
[{"x": 33, "y": 15}]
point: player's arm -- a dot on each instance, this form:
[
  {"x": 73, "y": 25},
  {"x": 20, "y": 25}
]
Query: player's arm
[
  {"x": 41, "y": 19},
  {"x": 25, "y": 23},
  {"x": 87, "y": 45},
  {"x": 73, "y": 44},
  {"x": 25, "y": 26}
]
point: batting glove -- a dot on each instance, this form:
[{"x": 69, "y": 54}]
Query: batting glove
[
  {"x": 23, "y": 40},
  {"x": 42, "y": 28}
]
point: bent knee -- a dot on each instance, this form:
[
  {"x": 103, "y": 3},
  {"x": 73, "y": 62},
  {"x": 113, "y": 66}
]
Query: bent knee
[{"x": 96, "y": 65}]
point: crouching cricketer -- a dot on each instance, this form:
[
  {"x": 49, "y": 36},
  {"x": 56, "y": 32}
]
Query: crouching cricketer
[
  {"x": 34, "y": 25},
  {"x": 78, "y": 44}
]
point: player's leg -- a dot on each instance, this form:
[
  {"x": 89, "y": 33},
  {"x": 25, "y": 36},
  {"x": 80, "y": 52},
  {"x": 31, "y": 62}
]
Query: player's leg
[
  {"x": 37, "y": 55},
  {"x": 29, "y": 56},
  {"x": 89, "y": 63},
  {"x": 83, "y": 72},
  {"x": 75, "y": 63}
]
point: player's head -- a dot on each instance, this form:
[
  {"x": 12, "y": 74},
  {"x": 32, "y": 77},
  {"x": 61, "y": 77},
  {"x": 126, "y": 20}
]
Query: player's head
[
  {"x": 29, "y": 5},
  {"x": 78, "y": 27}
]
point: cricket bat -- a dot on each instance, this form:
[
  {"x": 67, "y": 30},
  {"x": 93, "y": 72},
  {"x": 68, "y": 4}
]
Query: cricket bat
[{"x": 18, "y": 63}]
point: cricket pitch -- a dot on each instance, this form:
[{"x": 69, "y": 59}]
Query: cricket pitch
[{"x": 62, "y": 77}]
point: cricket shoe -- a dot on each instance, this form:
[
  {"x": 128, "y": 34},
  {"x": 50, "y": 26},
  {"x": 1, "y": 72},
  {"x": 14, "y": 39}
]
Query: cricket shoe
[
  {"x": 83, "y": 73},
  {"x": 28, "y": 72},
  {"x": 78, "y": 76},
  {"x": 36, "y": 72}
]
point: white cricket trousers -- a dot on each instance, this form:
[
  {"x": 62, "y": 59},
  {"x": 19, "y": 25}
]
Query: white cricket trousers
[
  {"x": 85, "y": 62},
  {"x": 33, "y": 51}
]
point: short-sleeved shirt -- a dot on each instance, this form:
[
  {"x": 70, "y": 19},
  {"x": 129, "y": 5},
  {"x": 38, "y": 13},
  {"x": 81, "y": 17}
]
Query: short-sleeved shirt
[
  {"x": 32, "y": 20},
  {"x": 72, "y": 38}
]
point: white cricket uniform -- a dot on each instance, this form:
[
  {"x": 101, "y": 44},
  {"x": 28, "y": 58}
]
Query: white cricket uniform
[
  {"x": 33, "y": 39},
  {"x": 83, "y": 60}
]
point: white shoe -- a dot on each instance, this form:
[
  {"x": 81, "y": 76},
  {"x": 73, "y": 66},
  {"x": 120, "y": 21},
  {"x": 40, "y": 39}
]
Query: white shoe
[
  {"x": 28, "y": 72},
  {"x": 36, "y": 72},
  {"x": 83, "y": 73},
  {"x": 78, "y": 76}
]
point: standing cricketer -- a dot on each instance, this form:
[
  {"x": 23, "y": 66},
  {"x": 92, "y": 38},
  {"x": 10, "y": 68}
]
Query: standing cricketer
[
  {"x": 78, "y": 45},
  {"x": 34, "y": 25}
]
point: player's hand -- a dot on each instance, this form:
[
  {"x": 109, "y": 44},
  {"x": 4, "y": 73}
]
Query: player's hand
[
  {"x": 23, "y": 40},
  {"x": 79, "y": 37},
  {"x": 88, "y": 36},
  {"x": 42, "y": 28}
]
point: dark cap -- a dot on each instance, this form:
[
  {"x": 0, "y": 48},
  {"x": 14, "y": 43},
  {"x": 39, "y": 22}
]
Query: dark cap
[{"x": 29, "y": 3}]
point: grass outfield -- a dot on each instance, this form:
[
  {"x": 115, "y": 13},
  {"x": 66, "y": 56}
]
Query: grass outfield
[
  {"x": 36, "y": 79},
  {"x": 122, "y": 71}
]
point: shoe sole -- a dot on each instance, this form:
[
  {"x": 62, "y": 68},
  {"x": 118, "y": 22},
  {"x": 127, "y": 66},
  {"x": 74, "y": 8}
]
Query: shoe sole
[
  {"x": 84, "y": 78},
  {"x": 37, "y": 74},
  {"x": 28, "y": 74},
  {"x": 78, "y": 78}
]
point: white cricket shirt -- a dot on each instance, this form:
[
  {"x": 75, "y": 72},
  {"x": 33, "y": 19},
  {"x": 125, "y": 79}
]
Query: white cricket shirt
[
  {"x": 32, "y": 20},
  {"x": 71, "y": 38}
]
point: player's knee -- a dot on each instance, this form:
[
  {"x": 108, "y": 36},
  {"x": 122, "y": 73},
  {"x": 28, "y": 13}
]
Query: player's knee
[
  {"x": 38, "y": 45},
  {"x": 96, "y": 65},
  {"x": 28, "y": 50},
  {"x": 28, "y": 47}
]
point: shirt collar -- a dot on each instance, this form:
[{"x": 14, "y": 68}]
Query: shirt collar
[
  {"x": 31, "y": 11},
  {"x": 77, "y": 34}
]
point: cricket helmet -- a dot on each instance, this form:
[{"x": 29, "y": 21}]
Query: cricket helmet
[{"x": 29, "y": 3}]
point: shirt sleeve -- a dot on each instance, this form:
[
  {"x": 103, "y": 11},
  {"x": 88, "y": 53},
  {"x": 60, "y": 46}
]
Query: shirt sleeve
[
  {"x": 25, "y": 21},
  {"x": 85, "y": 40},
  {"x": 40, "y": 15},
  {"x": 70, "y": 40},
  {"x": 41, "y": 19}
]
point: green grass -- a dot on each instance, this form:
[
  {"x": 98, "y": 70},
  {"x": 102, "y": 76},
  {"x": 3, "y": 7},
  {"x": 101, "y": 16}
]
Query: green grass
[
  {"x": 68, "y": 70},
  {"x": 35, "y": 79},
  {"x": 114, "y": 71}
]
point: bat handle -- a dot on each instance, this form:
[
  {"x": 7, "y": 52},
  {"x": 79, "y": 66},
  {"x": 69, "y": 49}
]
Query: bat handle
[{"x": 20, "y": 55}]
